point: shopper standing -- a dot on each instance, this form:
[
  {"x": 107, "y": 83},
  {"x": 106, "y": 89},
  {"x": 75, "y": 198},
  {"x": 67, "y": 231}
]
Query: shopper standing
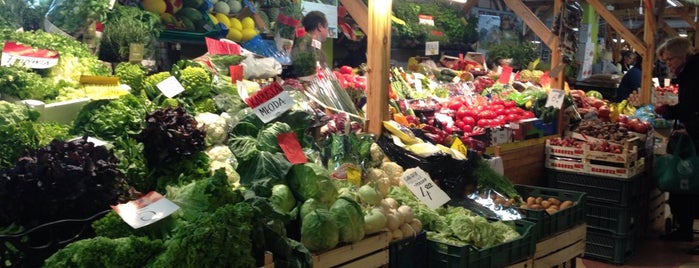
[
  {"x": 631, "y": 80},
  {"x": 683, "y": 64}
]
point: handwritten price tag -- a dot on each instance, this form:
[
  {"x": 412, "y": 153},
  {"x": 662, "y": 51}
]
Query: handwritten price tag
[
  {"x": 170, "y": 87},
  {"x": 146, "y": 210},
  {"x": 431, "y": 48},
  {"x": 422, "y": 186},
  {"x": 555, "y": 98}
]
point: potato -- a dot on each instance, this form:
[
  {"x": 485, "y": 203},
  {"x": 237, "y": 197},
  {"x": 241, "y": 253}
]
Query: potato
[
  {"x": 535, "y": 206},
  {"x": 554, "y": 207},
  {"x": 531, "y": 200},
  {"x": 554, "y": 201},
  {"x": 539, "y": 199},
  {"x": 551, "y": 210},
  {"x": 545, "y": 204},
  {"x": 524, "y": 206},
  {"x": 508, "y": 203},
  {"x": 566, "y": 204},
  {"x": 499, "y": 200}
]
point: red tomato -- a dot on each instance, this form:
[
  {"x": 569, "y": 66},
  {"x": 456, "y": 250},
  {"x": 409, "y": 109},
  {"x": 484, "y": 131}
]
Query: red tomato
[
  {"x": 486, "y": 114},
  {"x": 468, "y": 120},
  {"x": 467, "y": 128},
  {"x": 484, "y": 122},
  {"x": 510, "y": 104},
  {"x": 459, "y": 123},
  {"x": 501, "y": 111},
  {"x": 346, "y": 69},
  {"x": 496, "y": 107},
  {"x": 497, "y": 102},
  {"x": 454, "y": 104},
  {"x": 497, "y": 122},
  {"x": 527, "y": 115},
  {"x": 512, "y": 117},
  {"x": 461, "y": 112}
]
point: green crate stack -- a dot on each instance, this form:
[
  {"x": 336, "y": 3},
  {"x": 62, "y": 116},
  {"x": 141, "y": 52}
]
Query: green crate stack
[
  {"x": 440, "y": 255},
  {"x": 615, "y": 213},
  {"x": 408, "y": 252}
]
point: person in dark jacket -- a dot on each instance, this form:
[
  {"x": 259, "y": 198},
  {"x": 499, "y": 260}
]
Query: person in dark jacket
[
  {"x": 628, "y": 60},
  {"x": 683, "y": 63},
  {"x": 631, "y": 80}
]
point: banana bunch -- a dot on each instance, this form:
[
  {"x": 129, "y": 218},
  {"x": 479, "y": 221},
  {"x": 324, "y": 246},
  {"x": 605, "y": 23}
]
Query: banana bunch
[
  {"x": 404, "y": 137},
  {"x": 625, "y": 108}
]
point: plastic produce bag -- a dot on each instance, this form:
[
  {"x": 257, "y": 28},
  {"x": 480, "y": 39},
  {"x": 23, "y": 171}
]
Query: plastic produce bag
[
  {"x": 71, "y": 17},
  {"x": 259, "y": 67},
  {"x": 267, "y": 49}
]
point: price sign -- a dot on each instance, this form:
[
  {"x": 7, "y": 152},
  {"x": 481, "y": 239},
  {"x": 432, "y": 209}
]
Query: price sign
[
  {"x": 16, "y": 53},
  {"x": 270, "y": 102},
  {"x": 170, "y": 87},
  {"x": 505, "y": 74},
  {"x": 354, "y": 176},
  {"x": 431, "y": 48},
  {"x": 146, "y": 210},
  {"x": 425, "y": 20},
  {"x": 291, "y": 147},
  {"x": 136, "y": 52},
  {"x": 225, "y": 47},
  {"x": 422, "y": 186},
  {"x": 555, "y": 98}
]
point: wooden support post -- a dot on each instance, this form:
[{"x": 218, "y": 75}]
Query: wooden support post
[
  {"x": 359, "y": 12},
  {"x": 649, "y": 57},
  {"x": 378, "y": 51}
]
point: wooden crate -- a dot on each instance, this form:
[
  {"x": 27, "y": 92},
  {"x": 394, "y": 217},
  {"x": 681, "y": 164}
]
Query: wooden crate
[
  {"x": 522, "y": 160},
  {"x": 560, "y": 248},
  {"x": 528, "y": 263},
  {"x": 370, "y": 252}
]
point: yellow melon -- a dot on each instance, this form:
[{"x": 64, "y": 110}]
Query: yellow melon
[
  {"x": 248, "y": 23},
  {"x": 223, "y": 18},
  {"x": 155, "y": 6},
  {"x": 248, "y": 33},
  {"x": 213, "y": 19},
  {"x": 235, "y": 35},
  {"x": 236, "y": 24}
]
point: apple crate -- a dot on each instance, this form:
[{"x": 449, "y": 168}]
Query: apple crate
[
  {"x": 442, "y": 255},
  {"x": 627, "y": 143},
  {"x": 602, "y": 169},
  {"x": 572, "y": 165},
  {"x": 564, "y": 151},
  {"x": 626, "y": 157},
  {"x": 371, "y": 251},
  {"x": 550, "y": 224}
]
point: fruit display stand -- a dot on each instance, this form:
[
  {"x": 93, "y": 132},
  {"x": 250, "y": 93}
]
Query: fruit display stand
[{"x": 369, "y": 252}]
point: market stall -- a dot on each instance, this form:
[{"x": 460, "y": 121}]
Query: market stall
[{"x": 218, "y": 161}]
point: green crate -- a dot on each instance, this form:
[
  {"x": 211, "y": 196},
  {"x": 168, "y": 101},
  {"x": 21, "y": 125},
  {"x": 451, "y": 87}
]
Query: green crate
[
  {"x": 440, "y": 255},
  {"x": 215, "y": 31},
  {"x": 549, "y": 224},
  {"x": 618, "y": 192},
  {"x": 610, "y": 247},
  {"x": 619, "y": 220},
  {"x": 408, "y": 252}
]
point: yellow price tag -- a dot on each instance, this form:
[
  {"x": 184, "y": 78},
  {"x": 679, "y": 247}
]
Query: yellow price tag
[
  {"x": 458, "y": 145},
  {"x": 354, "y": 176}
]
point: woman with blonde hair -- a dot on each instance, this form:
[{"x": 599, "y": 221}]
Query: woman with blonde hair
[{"x": 683, "y": 64}]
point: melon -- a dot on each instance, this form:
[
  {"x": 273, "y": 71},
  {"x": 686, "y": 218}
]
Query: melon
[
  {"x": 221, "y": 7},
  {"x": 155, "y": 6},
  {"x": 235, "y": 6}
]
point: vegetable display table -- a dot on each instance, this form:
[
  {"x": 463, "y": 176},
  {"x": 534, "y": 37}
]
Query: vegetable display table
[{"x": 561, "y": 248}]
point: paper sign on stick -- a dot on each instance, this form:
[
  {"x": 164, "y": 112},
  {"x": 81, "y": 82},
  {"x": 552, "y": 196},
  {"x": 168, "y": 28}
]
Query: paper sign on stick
[
  {"x": 146, "y": 210},
  {"x": 422, "y": 186}
]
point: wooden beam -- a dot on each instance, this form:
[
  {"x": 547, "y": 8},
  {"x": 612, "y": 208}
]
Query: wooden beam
[
  {"x": 378, "y": 55},
  {"x": 359, "y": 12},
  {"x": 533, "y": 22},
  {"x": 468, "y": 6},
  {"x": 649, "y": 56},
  {"x": 618, "y": 26}
]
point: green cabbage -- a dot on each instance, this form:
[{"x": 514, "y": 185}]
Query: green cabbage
[
  {"x": 267, "y": 138},
  {"x": 310, "y": 205},
  {"x": 312, "y": 180},
  {"x": 282, "y": 198},
  {"x": 319, "y": 231},
  {"x": 349, "y": 218}
]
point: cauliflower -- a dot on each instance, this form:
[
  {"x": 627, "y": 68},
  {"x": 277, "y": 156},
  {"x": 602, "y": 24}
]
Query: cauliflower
[
  {"x": 393, "y": 171},
  {"x": 133, "y": 75},
  {"x": 215, "y": 126},
  {"x": 222, "y": 157},
  {"x": 196, "y": 82},
  {"x": 377, "y": 155}
]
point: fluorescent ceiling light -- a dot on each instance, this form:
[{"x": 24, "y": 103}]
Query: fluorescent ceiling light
[
  {"x": 674, "y": 3},
  {"x": 460, "y": 1}
]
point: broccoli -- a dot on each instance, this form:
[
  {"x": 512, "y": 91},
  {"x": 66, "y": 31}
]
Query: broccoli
[
  {"x": 131, "y": 74},
  {"x": 107, "y": 252},
  {"x": 219, "y": 239},
  {"x": 151, "y": 82},
  {"x": 206, "y": 105},
  {"x": 196, "y": 82}
]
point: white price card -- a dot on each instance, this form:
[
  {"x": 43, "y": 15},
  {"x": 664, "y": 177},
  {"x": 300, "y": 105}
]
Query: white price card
[
  {"x": 274, "y": 107},
  {"x": 555, "y": 98},
  {"x": 148, "y": 209},
  {"x": 170, "y": 87},
  {"x": 431, "y": 48},
  {"x": 422, "y": 186}
]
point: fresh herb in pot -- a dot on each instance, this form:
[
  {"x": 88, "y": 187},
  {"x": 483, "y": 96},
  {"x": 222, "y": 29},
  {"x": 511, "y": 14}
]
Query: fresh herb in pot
[
  {"x": 72, "y": 15},
  {"x": 128, "y": 25}
]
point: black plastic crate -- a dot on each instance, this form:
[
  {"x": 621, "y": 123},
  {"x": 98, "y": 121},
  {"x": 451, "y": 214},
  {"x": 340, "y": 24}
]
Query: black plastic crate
[
  {"x": 409, "y": 252},
  {"x": 549, "y": 224},
  {"x": 610, "y": 247},
  {"x": 615, "y": 219},
  {"x": 620, "y": 192}
]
